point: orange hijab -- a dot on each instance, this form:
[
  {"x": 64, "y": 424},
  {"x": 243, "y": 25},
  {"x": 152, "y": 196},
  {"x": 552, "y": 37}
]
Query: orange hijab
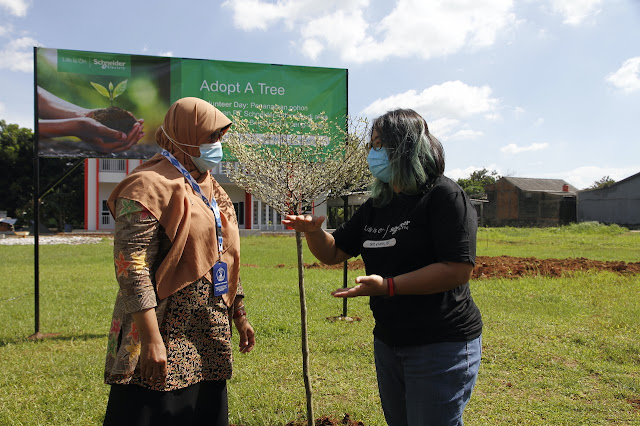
[{"x": 187, "y": 221}]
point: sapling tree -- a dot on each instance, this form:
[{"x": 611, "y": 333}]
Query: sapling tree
[
  {"x": 113, "y": 116},
  {"x": 112, "y": 92},
  {"x": 291, "y": 162}
]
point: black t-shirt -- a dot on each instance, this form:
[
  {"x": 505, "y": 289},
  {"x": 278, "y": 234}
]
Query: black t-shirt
[{"x": 411, "y": 232}]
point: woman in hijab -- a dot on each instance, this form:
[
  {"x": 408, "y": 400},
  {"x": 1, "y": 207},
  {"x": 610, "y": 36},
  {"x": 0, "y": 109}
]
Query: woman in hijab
[{"x": 177, "y": 259}]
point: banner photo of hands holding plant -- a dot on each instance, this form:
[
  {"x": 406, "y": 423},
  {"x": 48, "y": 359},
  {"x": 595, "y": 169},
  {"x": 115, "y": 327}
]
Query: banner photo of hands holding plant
[{"x": 109, "y": 105}]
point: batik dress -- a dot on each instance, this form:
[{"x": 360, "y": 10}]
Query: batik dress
[{"x": 194, "y": 323}]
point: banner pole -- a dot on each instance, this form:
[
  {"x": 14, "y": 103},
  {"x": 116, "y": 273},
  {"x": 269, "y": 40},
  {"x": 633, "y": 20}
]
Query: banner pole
[
  {"x": 345, "y": 267},
  {"x": 36, "y": 203}
]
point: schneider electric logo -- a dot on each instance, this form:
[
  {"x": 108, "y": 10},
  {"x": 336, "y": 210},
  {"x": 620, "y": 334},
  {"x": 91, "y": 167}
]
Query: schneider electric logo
[
  {"x": 109, "y": 65},
  {"x": 94, "y": 63}
]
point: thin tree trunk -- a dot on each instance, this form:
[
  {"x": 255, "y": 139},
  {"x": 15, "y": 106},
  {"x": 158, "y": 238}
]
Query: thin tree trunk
[{"x": 305, "y": 340}]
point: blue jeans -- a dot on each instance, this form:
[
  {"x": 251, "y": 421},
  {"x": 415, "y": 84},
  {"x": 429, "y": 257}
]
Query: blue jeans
[{"x": 426, "y": 384}]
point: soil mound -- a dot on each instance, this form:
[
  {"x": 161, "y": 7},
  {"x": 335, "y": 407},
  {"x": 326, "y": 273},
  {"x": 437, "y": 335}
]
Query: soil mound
[
  {"x": 115, "y": 118},
  {"x": 325, "y": 421},
  {"x": 328, "y": 421},
  {"x": 517, "y": 267}
]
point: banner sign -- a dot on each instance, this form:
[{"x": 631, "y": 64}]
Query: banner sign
[{"x": 87, "y": 101}]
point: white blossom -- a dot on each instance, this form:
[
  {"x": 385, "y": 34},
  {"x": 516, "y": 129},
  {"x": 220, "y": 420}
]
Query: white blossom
[{"x": 289, "y": 160}]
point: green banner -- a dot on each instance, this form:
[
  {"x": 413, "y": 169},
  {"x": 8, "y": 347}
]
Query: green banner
[
  {"x": 74, "y": 88},
  {"x": 249, "y": 89}
]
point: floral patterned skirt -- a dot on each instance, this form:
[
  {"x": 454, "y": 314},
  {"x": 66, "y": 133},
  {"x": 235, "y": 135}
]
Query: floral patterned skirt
[{"x": 195, "y": 327}]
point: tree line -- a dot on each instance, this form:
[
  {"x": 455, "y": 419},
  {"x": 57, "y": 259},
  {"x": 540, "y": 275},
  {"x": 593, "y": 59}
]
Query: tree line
[{"x": 62, "y": 204}]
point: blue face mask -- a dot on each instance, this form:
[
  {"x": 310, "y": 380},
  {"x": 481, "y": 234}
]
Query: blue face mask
[
  {"x": 210, "y": 155},
  {"x": 379, "y": 164}
]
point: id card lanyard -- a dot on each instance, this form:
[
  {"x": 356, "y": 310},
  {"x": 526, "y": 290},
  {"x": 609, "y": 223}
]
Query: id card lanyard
[{"x": 219, "y": 270}]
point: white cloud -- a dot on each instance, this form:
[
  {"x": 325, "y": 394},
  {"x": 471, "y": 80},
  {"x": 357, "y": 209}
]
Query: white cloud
[
  {"x": 249, "y": 15},
  {"x": 584, "y": 177},
  {"x": 16, "y": 7},
  {"x": 17, "y": 55},
  {"x": 429, "y": 29},
  {"x": 458, "y": 173},
  {"x": 5, "y": 31},
  {"x": 255, "y": 14},
  {"x": 413, "y": 28},
  {"x": 444, "y": 106},
  {"x": 576, "y": 12},
  {"x": 167, "y": 53},
  {"x": 342, "y": 30},
  {"x": 442, "y": 128},
  {"x": 515, "y": 149},
  {"x": 466, "y": 134},
  {"x": 453, "y": 99},
  {"x": 543, "y": 34},
  {"x": 312, "y": 48},
  {"x": 627, "y": 77}
]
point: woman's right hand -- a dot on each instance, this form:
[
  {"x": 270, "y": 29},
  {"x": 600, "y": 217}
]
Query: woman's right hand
[
  {"x": 153, "y": 354},
  {"x": 153, "y": 362},
  {"x": 304, "y": 222},
  {"x": 321, "y": 243}
]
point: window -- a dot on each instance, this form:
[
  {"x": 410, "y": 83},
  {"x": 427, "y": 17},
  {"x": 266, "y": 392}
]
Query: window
[
  {"x": 112, "y": 165},
  {"x": 239, "y": 207},
  {"x": 256, "y": 205},
  {"x": 105, "y": 215}
]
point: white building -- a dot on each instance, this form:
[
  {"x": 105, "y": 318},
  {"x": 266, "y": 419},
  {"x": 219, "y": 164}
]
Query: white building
[{"x": 101, "y": 175}]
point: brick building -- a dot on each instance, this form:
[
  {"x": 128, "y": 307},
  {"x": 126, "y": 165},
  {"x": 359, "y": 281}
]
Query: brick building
[{"x": 517, "y": 201}]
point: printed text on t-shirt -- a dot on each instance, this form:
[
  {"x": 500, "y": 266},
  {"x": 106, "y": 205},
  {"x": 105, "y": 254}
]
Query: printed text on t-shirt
[{"x": 389, "y": 229}]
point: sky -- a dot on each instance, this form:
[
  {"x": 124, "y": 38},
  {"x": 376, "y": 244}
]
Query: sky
[{"x": 525, "y": 88}]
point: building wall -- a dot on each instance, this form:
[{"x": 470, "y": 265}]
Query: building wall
[
  {"x": 619, "y": 203},
  {"x": 510, "y": 206},
  {"x": 503, "y": 204},
  {"x": 102, "y": 176},
  {"x": 90, "y": 193}
]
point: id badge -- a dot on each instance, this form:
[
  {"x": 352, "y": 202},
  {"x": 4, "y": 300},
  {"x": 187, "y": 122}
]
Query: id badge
[{"x": 220, "y": 280}]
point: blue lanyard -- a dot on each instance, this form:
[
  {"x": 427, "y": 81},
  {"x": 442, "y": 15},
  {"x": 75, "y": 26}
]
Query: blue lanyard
[{"x": 212, "y": 205}]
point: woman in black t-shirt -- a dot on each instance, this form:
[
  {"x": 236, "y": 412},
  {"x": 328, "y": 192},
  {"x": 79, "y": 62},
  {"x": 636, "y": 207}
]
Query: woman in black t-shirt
[{"x": 417, "y": 238}]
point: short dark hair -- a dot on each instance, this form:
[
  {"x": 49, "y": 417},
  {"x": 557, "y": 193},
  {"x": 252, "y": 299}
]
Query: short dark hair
[{"x": 416, "y": 156}]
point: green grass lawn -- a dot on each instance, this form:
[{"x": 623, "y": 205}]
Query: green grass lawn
[{"x": 561, "y": 351}]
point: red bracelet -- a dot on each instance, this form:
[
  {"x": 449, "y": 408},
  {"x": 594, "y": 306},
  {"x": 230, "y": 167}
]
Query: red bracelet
[
  {"x": 239, "y": 313},
  {"x": 390, "y": 289}
]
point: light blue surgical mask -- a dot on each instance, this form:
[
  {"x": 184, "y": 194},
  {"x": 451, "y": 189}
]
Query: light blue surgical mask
[
  {"x": 210, "y": 155},
  {"x": 379, "y": 165}
]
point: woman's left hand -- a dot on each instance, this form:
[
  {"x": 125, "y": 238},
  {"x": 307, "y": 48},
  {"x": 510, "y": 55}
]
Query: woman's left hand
[
  {"x": 246, "y": 333},
  {"x": 368, "y": 285}
]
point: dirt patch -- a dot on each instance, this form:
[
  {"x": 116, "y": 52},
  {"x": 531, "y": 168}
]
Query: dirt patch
[
  {"x": 354, "y": 318},
  {"x": 517, "y": 267},
  {"x": 328, "y": 421},
  {"x": 324, "y": 421}
]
